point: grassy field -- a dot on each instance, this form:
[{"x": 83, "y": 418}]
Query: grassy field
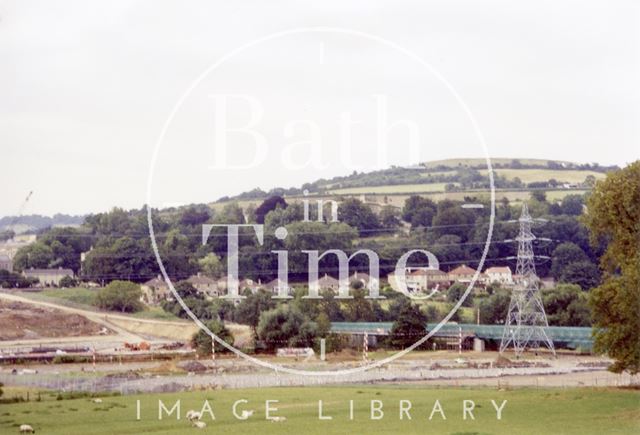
[
  {"x": 84, "y": 298},
  {"x": 454, "y": 163},
  {"x": 527, "y": 411},
  {"x": 530, "y": 175},
  {"x": 400, "y": 188},
  {"x": 78, "y": 295}
]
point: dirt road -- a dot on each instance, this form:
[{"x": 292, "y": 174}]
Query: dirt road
[{"x": 126, "y": 328}]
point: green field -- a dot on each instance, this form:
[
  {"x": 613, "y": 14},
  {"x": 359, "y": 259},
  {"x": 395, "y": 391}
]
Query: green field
[
  {"x": 527, "y": 411},
  {"x": 531, "y": 175},
  {"x": 454, "y": 163},
  {"x": 399, "y": 188},
  {"x": 84, "y": 298}
]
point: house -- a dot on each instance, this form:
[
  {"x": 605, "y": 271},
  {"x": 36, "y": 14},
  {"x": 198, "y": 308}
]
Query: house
[
  {"x": 328, "y": 283},
  {"x": 48, "y": 277},
  {"x": 462, "y": 274},
  {"x": 205, "y": 285},
  {"x": 154, "y": 291},
  {"x": 547, "y": 283},
  {"x": 361, "y": 277},
  {"x": 6, "y": 263},
  {"x": 245, "y": 284},
  {"x": 499, "y": 275},
  {"x": 274, "y": 287},
  {"x": 418, "y": 279}
]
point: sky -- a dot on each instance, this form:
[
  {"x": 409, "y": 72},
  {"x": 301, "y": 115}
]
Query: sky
[{"x": 88, "y": 89}]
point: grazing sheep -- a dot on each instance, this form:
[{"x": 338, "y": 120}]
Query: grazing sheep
[
  {"x": 246, "y": 414},
  {"x": 278, "y": 419},
  {"x": 25, "y": 428},
  {"x": 199, "y": 424},
  {"x": 97, "y": 400},
  {"x": 193, "y": 415}
]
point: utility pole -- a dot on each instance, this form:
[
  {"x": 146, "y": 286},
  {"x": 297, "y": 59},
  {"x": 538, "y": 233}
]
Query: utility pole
[{"x": 526, "y": 322}]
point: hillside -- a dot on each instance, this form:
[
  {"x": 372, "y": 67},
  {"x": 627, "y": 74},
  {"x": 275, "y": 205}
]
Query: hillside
[{"x": 452, "y": 178}]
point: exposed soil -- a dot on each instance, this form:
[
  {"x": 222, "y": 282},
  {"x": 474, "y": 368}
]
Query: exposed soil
[{"x": 23, "y": 321}]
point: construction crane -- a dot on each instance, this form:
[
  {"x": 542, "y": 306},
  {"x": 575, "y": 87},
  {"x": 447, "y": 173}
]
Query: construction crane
[{"x": 20, "y": 211}]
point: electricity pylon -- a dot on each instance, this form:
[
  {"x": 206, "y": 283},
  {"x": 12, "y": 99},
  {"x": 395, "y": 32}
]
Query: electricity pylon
[{"x": 526, "y": 322}]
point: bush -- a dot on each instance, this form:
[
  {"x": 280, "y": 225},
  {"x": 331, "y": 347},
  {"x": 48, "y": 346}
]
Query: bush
[
  {"x": 68, "y": 359},
  {"x": 67, "y": 281},
  {"x": 201, "y": 340},
  {"x": 121, "y": 296}
]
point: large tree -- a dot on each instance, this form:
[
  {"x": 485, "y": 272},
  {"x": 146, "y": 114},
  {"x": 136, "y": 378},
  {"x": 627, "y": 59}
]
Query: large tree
[
  {"x": 613, "y": 215},
  {"x": 359, "y": 215},
  {"x": 201, "y": 340},
  {"x": 269, "y": 205},
  {"x": 249, "y": 310},
  {"x": 409, "y": 327},
  {"x": 565, "y": 254},
  {"x": 121, "y": 296}
]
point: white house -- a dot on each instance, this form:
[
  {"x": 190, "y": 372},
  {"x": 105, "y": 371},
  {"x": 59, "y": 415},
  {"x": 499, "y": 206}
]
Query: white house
[{"x": 499, "y": 275}]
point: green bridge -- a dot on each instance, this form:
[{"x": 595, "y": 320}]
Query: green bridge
[{"x": 570, "y": 336}]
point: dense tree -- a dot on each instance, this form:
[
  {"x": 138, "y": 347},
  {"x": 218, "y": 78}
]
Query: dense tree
[
  {"x": 211, "y": 265},
  {"x": 284, "y": 327},
  {"x": 125, "y": 258},
  {"x": 186, "y": 290},
  {"x": 419, "y": 211},
  {"x": 249, "y": 309},
  {"x": 15, "y": 280},
  {"x": 583, "y": 273},
  {"x": 453, "y": 219},
  {"x": 572, "y": 205},
  {"x": 613, "y": 215},
  {"x": 68, "y": 281},
  {"x": 539, "y": 195},
  {"x": 36, "y": 255},
  {"x": 269, "y": 205},
  {"x": 121, "y": 296},
  {"x": 455, "y": 292},
  {"x": 359, "y": 308},
  {"x": 202, "y": 341},
  {"x": 359, "y": 215},
  {"x": 493, "y": 309},
  {"x": 390, "y": 217},
  {"x": 409, "y": 327},
  {"x": 563, "y": 255},
  {"x": 566, "y": 305},
  {"x": 448, "y": 249},
  {"x": 194, "y": 216}
]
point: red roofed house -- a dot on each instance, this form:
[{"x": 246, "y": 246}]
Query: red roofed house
[{"x": 462, "y": 274}]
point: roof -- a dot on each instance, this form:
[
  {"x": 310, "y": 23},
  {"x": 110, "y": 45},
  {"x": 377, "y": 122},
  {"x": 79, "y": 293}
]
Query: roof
[
  {"x": 462, "y": 270},
  {"x": 59, "y": 271},
  {"x": 498, "y": 269},
  {"x": 427, "y": 271},
  {"x": 4, "y": 257},
  {"x": 156, "y": 282},
  {"x": 201, "y": 279},
  {"x": 327, "y": 280},
  {"x": 276, "y": 283},
  {"x": 360, "y": 276},
  {"x": 572, "y": 336}
]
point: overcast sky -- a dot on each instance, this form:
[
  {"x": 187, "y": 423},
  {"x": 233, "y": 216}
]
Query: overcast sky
[{"x": 86, "y": 87}]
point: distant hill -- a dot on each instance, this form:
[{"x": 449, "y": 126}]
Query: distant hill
[
  {"x": 449, "y": 176},
  {"x": 36, "y": 222}
]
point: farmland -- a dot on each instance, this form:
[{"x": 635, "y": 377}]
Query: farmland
[
  {"x": 401, "y": 188},
  {"x": 527, "y": 411}
]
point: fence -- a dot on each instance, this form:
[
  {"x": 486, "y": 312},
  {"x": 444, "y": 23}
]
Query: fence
[{"x": 496, "y": 377}]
